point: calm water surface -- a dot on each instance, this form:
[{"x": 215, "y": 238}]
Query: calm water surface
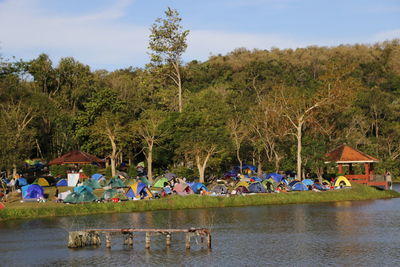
[{"x": 364, "y": 233}]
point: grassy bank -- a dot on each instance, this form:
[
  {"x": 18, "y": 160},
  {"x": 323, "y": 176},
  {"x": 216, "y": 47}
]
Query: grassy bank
[{"x": 35, "y": 210}]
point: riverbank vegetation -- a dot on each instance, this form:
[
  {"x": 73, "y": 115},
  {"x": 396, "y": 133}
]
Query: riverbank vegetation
[
  {"x": 27, "y": 210},
  {"x": 278, "y": 109}
]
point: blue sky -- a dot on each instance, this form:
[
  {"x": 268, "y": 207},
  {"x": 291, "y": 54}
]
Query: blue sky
[{"x": 113, "y": 34}]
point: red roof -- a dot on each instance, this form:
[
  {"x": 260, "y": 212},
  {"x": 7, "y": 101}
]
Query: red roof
[
  {"x": 76, "y": 157},
  {"x": 346, "y": 154}
]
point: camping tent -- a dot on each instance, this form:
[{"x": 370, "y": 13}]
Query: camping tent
[
  {"x": 308, "y": 182},
  {"x": 292, "y": 183},
  {"x": 129, "y": 182},
  {"x": 32, "y": 191},
  {"x": 268, "y": 185},
  {"x": 97, "y": 176},
  {"x": 80, "y": 196},
  {"x": 342, "y": 181},
  {"x": 219, "y": 189},
  {"x": 299, "y": 187},
  {"x": 92, "y": 183},
  {"x": 197, "y": 187},
  {"x": 277, "y": 177},
  {"x": 320, "y": 187},
  {"x": 21, "y": 182},
  {"x": 160, "y": 182},
  {"x": 116, "y": 182},
  {"x": 41, "y": 181},
  {"x": 139, "y": 190},
  {"x": 183, "y": 189},
  {"x": 242, "y": 183},
  {"x": 62, "y": 182},
  {"x": 241, "y": 189},
  {"x": 82, "y": 188},
  {"x": 256, "y": 188},
  {"x": 110, "y": 193},
  {"x": 144, "y": 180},
  {"x": 170, "y": 176}
]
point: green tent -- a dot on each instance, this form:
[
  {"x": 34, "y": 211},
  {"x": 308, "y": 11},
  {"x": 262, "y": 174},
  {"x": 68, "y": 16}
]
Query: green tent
[
  {"x": 84, "y": 196},
  {"x": 116, "y": 182},
  {"x": 92, "y": 183},
  {"x": 144, "y": 180},
  {"x": 160, "y": 182},
  {"x": 110, "y": 193}
]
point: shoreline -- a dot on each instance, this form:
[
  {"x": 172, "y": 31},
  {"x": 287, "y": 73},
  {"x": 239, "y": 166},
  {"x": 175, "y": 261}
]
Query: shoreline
[{"x": 50, "y": 209}]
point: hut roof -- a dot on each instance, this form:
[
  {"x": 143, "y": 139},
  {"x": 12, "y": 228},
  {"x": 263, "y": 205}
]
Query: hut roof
[
  {"x": 347, "y": 154},
  {"x": 76, "y": 157}
]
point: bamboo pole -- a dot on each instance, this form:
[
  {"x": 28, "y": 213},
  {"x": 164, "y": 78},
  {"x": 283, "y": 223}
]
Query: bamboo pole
[{"x": 108, "y": 240}]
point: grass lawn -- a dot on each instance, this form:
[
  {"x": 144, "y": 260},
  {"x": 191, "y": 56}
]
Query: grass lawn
[{"x": 16, "y": 209}]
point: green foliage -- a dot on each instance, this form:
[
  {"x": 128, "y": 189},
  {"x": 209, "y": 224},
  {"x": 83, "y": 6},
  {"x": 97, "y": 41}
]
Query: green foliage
[
  {"x": 183, "y": 171},
  {"x": 90, "y": 169},
  {"x": 108, "y": 172},
  {"x": 132, "y": 172},
  {"x": 58, "y": 170}
]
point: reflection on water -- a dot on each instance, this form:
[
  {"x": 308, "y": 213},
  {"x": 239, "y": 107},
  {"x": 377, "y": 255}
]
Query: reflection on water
[{"x": 335, "y": 234}]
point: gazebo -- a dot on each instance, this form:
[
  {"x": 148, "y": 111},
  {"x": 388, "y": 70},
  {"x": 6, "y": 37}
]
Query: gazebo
[
  {"x": 76, "y": 157},
  {"x": 346, "y": 156}
]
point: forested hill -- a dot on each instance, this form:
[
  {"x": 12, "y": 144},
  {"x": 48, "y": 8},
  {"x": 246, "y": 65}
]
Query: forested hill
[{"x": 256, "y": 107}]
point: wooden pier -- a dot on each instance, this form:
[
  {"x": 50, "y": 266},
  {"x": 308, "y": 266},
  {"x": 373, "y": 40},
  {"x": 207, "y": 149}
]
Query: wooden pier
[{"x": 91, "y": 237}]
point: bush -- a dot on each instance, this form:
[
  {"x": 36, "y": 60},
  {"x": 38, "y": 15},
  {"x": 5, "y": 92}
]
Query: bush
[
  {"x": 89, "y": 170},
  {"x": 58, "y": 170},
  {"x": 108, "y": 172},
  {"x": 183, "y": 172},
  {"x": 132, "y": 171}
]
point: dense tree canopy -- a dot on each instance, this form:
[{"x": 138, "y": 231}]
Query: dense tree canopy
[{"x": 277, "y": 109}]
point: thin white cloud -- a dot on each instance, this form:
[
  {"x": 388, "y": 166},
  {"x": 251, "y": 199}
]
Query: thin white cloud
[
  {"x": 386, "y": 35},
  {"x": 275, "y": 4},
  {"x": 202, "y": 43}
]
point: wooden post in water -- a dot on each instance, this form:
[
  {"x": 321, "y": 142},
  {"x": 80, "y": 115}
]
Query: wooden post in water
[
  {"x": 168, "y": 239},
  {"x": 187, "y": 240},
  {"x": 147, "y": 245},
  {"x": 209, "y": 240},
  {"x": 108, "y": 240},
  {"x": 128, "y": 241}
]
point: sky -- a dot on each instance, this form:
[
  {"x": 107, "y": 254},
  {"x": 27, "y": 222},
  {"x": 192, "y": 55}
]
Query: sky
[{"x": 114, "y": 34}]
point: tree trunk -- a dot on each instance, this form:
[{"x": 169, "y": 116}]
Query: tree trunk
[
  {"x": 14, "y": 173},
  {"x": 259, "y": 165},
  {"x": 239, "y": 159},
  {"x": 113, "y": 156},
  {"x": 299, "y": 147},
  {"x": 150, "y": 163},
  {"x": 202, "y": 167},
  {"x": 178, "y": 74}
]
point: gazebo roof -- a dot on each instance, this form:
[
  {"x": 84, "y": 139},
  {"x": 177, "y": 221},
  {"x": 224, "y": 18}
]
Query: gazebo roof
[
  {"x": 347, "y": 154},
  {"x": 76, "y": 157}
]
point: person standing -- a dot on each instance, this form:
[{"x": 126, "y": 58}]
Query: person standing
[{"x": 388, "y": 178}]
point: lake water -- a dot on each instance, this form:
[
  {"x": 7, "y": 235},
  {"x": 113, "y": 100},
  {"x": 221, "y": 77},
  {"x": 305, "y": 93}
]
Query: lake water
[{"x": 363, "y": 233}]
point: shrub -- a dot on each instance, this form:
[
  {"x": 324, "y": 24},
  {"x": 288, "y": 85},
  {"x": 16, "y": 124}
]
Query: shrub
[
  {"x": 132, "y": 171},
  {"x": 58, "y": 170},
  {"x": 183, "y": 172},
  {"x": 89, "y": 169}
]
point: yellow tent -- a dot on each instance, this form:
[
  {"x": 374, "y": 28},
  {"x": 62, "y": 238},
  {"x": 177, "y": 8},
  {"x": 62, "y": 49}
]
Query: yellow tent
[
  {"x": 242, "y": 183},
  {"x": 41, "y": 182},
  {"x": 340, "y": 180}
]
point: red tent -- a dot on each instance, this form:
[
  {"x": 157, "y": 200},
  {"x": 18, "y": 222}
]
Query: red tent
[{"x": 76, "y": 157}]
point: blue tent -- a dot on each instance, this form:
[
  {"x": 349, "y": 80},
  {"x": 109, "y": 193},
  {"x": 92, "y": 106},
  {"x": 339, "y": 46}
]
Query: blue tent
[
  {"x": 308, "y": 182},
  {"x": 62, "y": 182},
  {"x": 277, "y": 177},
  {"x": 83, "y": 188},
  {"x": 320, "y": 187},
  {"x": 299, "y": 187},
  {"x": 292, "y": 183},
  {"x": 21, "y": 182},
  {"x": 97, "y": 176},
  {"x": 256, "y": 179},
  {"x": 139, "y": 189},
  {"x": 256, "y": 188},
  {"x": 196, "y": 187},
  {"x": 32, "y": 191}
]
